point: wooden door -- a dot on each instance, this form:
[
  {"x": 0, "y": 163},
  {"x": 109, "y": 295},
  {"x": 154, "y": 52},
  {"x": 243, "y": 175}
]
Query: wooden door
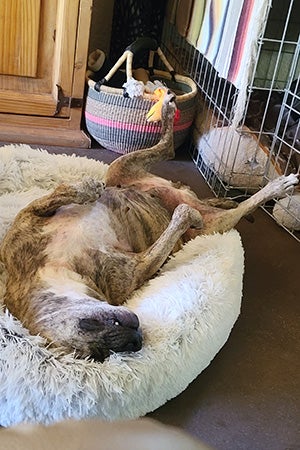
[
  {"x": 37, "y": 53},
  {"x": 43, "y": 54}
]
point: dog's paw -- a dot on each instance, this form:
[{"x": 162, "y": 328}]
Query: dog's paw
[
  {"x": 283, "y": 185},
  {"x": 89, "y": 190},
  {"x": 290, "y": 181}
]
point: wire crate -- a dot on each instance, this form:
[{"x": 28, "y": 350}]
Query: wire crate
[{"x": 238, "y": 156}]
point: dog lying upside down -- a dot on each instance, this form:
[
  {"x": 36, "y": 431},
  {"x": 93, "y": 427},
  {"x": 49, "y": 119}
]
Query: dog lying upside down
[{"x": 74, "y": 256}]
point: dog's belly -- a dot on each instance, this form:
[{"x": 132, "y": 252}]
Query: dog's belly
[{"x": 122, "y": 220}]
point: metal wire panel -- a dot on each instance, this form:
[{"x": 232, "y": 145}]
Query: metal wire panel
[{"x": 266, "y": 143}]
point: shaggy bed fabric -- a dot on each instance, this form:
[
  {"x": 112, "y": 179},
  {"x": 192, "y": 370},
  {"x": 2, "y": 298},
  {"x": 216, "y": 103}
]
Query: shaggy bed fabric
[{"x": 186, "y": 312}]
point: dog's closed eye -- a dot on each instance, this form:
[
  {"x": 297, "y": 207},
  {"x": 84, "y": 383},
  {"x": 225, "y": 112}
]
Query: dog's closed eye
[{"x": 91, "y": 325}]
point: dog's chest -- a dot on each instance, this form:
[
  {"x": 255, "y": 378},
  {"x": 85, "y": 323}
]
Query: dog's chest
[{"x": 75, "y": 228}]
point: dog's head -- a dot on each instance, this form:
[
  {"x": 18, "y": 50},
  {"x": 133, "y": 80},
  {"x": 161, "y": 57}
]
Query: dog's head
[
  {"x": 115, "y": 329},
  {"x": 88, "y": 326}
]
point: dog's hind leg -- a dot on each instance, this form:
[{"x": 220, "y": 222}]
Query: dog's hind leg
[
  {"x": 223, "y": 220},
  {"x": 136, "y": 165},
  {"x": 222, "y": 203}
]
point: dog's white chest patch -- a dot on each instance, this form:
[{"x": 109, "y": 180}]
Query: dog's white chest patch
[{"x": 78, "y": 227}]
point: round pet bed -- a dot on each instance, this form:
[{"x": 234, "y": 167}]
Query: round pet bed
[{"x": 186, "y": 312}]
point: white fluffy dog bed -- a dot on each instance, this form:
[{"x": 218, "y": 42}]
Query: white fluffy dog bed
[{"x": 186, "y": 313}]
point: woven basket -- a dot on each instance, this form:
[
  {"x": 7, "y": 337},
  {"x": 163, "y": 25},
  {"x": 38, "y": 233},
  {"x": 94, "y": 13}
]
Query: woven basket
[{"x": 119, "y": 123}]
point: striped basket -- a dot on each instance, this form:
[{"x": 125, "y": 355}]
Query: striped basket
[{"x": 119, "y": 123}]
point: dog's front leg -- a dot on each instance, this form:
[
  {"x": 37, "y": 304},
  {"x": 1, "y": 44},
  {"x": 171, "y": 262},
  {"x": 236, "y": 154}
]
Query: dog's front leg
[
  {"x": 27, "y": 219},
  {"x": 126, "y": 273},
  {"x": 88, "y": 190},
  {"x": 152, "y": 259}
]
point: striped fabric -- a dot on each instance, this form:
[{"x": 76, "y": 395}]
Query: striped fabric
[
  {"x": 212, "y": 28},
  {"x": 251, "y": 20},
  {"x": 228, "y": 35},
  {"x": 227, "y": 42},
  {"x": 195, "y": 22}
]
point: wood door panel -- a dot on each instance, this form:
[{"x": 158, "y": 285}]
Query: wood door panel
[
  {"x": 19, "y": 37},
  {"x": 50, "y": 56}
]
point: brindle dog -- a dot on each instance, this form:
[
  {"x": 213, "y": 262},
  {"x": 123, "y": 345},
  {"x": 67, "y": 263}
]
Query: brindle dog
[{"x": 74, "y": 256}]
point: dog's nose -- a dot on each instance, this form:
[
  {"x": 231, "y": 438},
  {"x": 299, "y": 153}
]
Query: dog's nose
[
  {"x": 128, "y": 340},
  {"x": 135, "y": 343}
]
